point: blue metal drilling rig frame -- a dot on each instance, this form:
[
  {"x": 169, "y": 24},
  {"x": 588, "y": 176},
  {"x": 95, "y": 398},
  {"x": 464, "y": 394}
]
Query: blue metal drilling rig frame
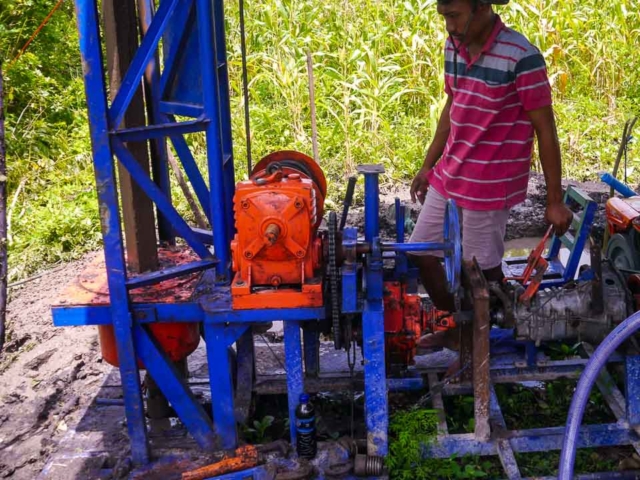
[{"x": 189, "y": 93}]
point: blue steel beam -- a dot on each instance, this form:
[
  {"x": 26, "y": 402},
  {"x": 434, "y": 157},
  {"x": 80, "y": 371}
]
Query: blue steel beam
[
  {"x": 498, "y": 424},
  {"x": 161, "y": 201},
  {"x": 295, "y": 377},
  {"x": 78, "y": 316},
  {"x": 532, "y": 440},
  {"x": 375, "y": 384},
  {"x": 415, "y": 247},
  {"x": 174, "y": 388},
  {"x": 181, "y": 29},
  {"x": 162, "y": 130},
  {"x": 168, "y": 273},
  {"x": 376, "y": 398},
  {"x": 92, "y": 66},
  {"x": 632, "y": 384},
  {"x": 215, "y": 154},
  {"x": 133, "y": 77},
  {"x": 205, "y": 236},
  {"x": 158, "y": 147},
  {"x": 180, "y": 312},
  {"x": 181, "y": 108},
  {"x": 229, "y": 182},
  {"x": 219, "y": 338},
  {"x": 193, "y": 172}
]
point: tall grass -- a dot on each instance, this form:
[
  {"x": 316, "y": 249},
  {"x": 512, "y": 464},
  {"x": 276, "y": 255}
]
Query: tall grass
[
  {"x": 379, "y": 91},
  {"x": 379, "y": 77}
]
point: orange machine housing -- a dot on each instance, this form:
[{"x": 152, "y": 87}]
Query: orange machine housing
[
  {"x": 622, "y": 214},
  {"x": 277, "y": 252},
  {"x": 403, "y": 324}
]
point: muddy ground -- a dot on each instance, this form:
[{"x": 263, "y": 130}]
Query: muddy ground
[{"x": 50, "y": 376}]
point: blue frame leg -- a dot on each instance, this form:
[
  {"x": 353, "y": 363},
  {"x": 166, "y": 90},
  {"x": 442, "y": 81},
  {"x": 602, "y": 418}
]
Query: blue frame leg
[
  {"x": 632, "y": 381},
  {"x": 219, "y": 338},
  {"x": 93, "y": 71},
  {"x": 293, "y": 363},
  {"x": 174, "y": 388},
  {"x": 375, "y": 383}
]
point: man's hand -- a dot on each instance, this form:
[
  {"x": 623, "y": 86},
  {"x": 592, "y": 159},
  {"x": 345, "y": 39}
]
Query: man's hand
[
  {"x": 559, "y": 215},
  {"x": 419, "y": 186}
]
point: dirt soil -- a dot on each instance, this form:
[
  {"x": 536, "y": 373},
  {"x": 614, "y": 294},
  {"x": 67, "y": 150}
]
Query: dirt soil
[{"x": 50, "y": 376}]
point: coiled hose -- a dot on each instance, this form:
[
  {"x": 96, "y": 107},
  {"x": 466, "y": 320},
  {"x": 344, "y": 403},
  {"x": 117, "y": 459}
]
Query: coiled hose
[{"x": 585, "y": 384}]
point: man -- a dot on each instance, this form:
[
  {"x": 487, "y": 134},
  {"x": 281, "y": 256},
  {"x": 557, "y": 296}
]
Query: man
[{"x": 498, "y": 97}]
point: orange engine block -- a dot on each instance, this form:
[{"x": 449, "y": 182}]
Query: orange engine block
[{"x": 276, "y": 251}]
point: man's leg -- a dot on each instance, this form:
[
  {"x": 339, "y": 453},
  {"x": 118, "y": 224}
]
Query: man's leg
[
  {"x": 429, "y": 228},
  {"x": 483, "y": 239},
  {"x": 434, "y": 280}
]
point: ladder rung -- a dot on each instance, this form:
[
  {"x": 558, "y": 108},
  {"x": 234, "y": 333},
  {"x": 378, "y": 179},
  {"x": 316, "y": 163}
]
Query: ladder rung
[
  {"x": 568, "y": 240},
  {"x": 577, "y": 221}
]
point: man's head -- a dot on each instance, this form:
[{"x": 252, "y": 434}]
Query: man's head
[{"x": 467, "y": 20}]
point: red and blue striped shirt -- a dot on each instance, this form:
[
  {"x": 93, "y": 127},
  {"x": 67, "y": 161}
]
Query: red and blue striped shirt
[{"x": 486, "y": 161}]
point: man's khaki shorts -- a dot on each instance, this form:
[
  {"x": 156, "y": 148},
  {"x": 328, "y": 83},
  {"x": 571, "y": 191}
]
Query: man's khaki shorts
[{"x": 482, "y": 230}]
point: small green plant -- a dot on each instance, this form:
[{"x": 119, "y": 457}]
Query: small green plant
[
  {"x": 258, "y": 434},
  {"x": 562, "y": 351},
  {"x": 411, "y": 431}
]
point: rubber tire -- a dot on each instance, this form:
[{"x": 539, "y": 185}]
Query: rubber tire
[{"x": 621, "y": 252}]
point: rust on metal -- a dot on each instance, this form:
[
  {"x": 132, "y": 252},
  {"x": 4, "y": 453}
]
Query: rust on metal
[
  {"x": 481, "y": 364},
  {"x": 244, "y": 458},
  {"x": 91, "y": 288}
]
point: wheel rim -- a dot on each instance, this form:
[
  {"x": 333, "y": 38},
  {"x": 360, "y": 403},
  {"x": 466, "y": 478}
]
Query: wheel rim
[{"x": 453, "y": 254}]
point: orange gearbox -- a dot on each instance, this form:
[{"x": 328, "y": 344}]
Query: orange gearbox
[{"x": 276, "y": 251}]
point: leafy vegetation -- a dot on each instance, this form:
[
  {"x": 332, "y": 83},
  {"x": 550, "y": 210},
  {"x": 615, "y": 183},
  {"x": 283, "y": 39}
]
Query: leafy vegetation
[
  {"x": 379, "y": 90},
  {"x": 410, "y": 430}
]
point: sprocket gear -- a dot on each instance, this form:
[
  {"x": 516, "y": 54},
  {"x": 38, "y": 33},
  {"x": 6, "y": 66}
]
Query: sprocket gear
[{"x": 333, "y": 280}]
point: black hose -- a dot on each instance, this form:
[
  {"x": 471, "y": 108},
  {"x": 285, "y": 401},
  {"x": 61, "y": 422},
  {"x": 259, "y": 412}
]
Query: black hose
[
  {"x": 3, "y": 222},
  {"x": 348, "y": 200},
  {"x": 245, "y": 87}
]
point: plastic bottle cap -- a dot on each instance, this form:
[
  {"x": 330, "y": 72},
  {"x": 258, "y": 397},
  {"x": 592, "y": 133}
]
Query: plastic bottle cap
[{"x": 304, "y": 398}]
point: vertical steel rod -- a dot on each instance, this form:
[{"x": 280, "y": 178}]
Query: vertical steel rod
[
  {"x": 295, "y": 379},
  {"x": 221, "y": 240}
]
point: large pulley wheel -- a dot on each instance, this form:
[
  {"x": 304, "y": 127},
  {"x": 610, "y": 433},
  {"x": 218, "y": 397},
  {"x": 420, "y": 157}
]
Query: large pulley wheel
[
  {"x": 290, "y": 161},
  {"x": 621, "y": 252},
  {"x": 453, "y": 252},
  {"x": 333, "y": 281}
]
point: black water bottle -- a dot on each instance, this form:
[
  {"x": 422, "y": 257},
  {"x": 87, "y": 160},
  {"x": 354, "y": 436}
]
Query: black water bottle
[{"x": 306, "y": 444}]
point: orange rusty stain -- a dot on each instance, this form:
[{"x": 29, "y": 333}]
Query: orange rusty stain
[
  {"x": 245, "y": 457},
  {"x": 91, "y": 288}
]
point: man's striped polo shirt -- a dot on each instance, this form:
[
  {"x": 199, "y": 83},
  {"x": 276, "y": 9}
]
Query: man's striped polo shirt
[{"x": 485, "y": 164}]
